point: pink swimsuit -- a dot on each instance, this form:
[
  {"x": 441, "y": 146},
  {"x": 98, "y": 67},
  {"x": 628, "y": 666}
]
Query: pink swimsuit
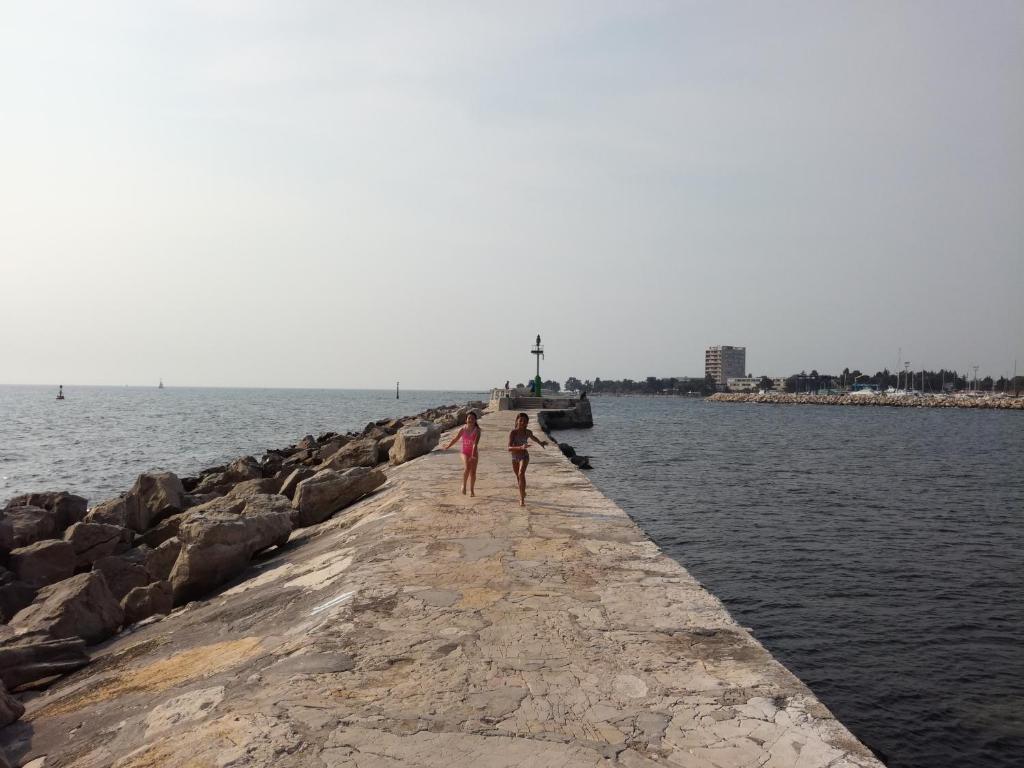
[{"x": 469, "y": 441}]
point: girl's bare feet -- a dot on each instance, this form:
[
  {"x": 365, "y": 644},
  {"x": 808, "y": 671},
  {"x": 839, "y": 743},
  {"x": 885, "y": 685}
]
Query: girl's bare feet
[{"x": 463, "y": 490}]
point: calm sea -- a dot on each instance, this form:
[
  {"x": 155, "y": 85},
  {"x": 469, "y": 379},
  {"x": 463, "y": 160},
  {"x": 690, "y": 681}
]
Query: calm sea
[
  {"x": 96, "y": 441},
  {"x": 878, "y": 553}
]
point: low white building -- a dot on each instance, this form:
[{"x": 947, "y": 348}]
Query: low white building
[{"x": 743, "y": 384}]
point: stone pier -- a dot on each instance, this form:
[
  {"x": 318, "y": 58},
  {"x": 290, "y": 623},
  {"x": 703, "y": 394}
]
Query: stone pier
[{"x": 424, "y": 628}]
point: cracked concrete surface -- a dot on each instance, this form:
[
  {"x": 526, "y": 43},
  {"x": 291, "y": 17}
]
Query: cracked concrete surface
[{"x": 421, "y": 627}]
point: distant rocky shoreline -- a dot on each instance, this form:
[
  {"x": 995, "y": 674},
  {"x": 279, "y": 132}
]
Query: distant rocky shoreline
[
  {"x": 899, "y": 401},
  {"x": 72, "y": 576}
]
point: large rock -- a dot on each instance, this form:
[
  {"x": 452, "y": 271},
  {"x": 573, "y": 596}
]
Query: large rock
[
  {"x": 44, "y": 562},
  {"x": 292, "y": 481},
  {"x": 14, "y": 595},
  {"x": 414, "y": 441},
  {"x": 110, "y": 512},
  {"x": 330, "y": 447},
  {"x": 28, "y": 657},
  {"x": 143, "y": 602},
  {"x": 81, "y": 606},
  {"x": 126, "y": 571},
  {"x": 10, "y": 708},
  {"x": 320, "y": 496},
  {"x": 160, "y": 561},
  {"x": 162, "y": 531},
  {"x": 24, "y": 525},
  {"x": 245, "y": 468},
  {"x": 359, "y": 453},
  {"x": 91, "y": 541},
  {"x": 217, "y": 545},
  {"x": 446, "y": 422},
  {"x": 67, "y": 507},
  {"x": 154, "y": 496},
  {"x": 384, "y": 448},
  {"x": 256, "y": 486}
]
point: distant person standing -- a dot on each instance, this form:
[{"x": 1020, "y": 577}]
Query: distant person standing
[
  {"x": 470, "y": 436},
  {"x": 506, "y": 384},
  {"x": 518, "y": 446}
]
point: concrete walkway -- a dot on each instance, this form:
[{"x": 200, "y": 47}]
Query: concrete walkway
[{"x": 425, "y": 628}]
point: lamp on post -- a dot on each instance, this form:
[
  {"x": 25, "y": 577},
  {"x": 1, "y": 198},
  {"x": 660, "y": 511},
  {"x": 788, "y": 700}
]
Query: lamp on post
[{"x": 538, "y": 351}]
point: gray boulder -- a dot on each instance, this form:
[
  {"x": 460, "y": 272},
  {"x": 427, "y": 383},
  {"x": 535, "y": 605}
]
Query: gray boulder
[
  {"x": 217, "y": 545},
  {"x": 44, "y": 562},
  {"x": 124, "y": 572},
  {"x": 81, "y": 606},
  {"x": 329, "y": 490},
  {"x": 92, "y": 541},
  {"x": 24, "y": 525},
  {"x": 14, "y": 595},
  {"x": 154, "y": 496},
  {"x": 143, "y": 602},
  {"x": 413, "y": 441},
  {"x": 359, "y": 453}
]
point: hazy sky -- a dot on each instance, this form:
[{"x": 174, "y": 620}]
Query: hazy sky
[{"x": 344, "y": 194}]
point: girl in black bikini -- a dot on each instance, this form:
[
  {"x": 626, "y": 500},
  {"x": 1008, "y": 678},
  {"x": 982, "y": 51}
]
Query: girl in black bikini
[{"x": 518, "y": 442}]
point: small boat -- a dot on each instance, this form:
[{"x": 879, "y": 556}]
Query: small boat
[
  {"x": 60, "y": 392},
  {"x": 161, "y": 384}
]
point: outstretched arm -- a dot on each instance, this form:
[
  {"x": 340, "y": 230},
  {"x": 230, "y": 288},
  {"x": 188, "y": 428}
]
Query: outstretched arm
[
  {"x": 457, "y": 436},
  {"x": 541, "y": 443}
]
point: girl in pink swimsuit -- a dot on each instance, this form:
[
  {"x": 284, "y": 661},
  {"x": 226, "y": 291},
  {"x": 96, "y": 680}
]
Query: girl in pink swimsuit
[{"x": 470, "y": 436}]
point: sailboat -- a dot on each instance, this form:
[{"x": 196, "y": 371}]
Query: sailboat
[{"x": 161, "y": 384}]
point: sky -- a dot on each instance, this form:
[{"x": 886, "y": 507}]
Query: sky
[{"x": 323, "y": 194}]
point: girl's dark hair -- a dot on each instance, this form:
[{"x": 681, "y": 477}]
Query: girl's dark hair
[
  {"x": 474, "y": 415},
  {"x": 523, "y": 416}
]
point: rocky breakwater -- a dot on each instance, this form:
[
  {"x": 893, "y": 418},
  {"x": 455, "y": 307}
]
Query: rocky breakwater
[
  {"x": 71, "y": 576},
  {"x": 426, "y": 628},
  {"x": 880, "y": 400}
]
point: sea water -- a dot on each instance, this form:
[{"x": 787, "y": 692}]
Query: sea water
[{"x": 878, "y": 553}]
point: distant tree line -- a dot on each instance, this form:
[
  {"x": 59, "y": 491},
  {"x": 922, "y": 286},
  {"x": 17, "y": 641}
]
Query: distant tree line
[
  {"x": 652, "y": 385},
  {"x": 927, "y": 381}
]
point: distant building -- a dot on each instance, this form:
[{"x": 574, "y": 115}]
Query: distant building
[
  {"x": 722, "y": 363},
  {"x": 743, "y": 384},
  {"x": 779, "y": 383}
]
